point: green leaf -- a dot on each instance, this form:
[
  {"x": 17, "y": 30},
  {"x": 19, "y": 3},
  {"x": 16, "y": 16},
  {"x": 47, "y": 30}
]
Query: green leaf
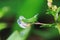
[
  {"x": 58, "y": 27},
  {"x": 1, "y": 14},
  {"x": 58, "y": 20},
  {"x": 2, "y": 26},
  {"x": 14, "y": 36},
  {"x": 22, "y": 35},
  {"x": 3, "y": 11}
]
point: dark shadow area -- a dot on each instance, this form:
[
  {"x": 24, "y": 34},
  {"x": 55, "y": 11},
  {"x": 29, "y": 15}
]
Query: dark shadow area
[
  {"x": 45, "y": 18},
  {"x": 34, "y": 37},
  {"x": 7, "y": 31}
]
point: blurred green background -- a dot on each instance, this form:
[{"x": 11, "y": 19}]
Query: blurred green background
[{"x": 10, "y": 10}]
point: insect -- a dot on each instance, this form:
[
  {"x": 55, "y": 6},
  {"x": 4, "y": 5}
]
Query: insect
[{"x": 25, "y": 24}]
